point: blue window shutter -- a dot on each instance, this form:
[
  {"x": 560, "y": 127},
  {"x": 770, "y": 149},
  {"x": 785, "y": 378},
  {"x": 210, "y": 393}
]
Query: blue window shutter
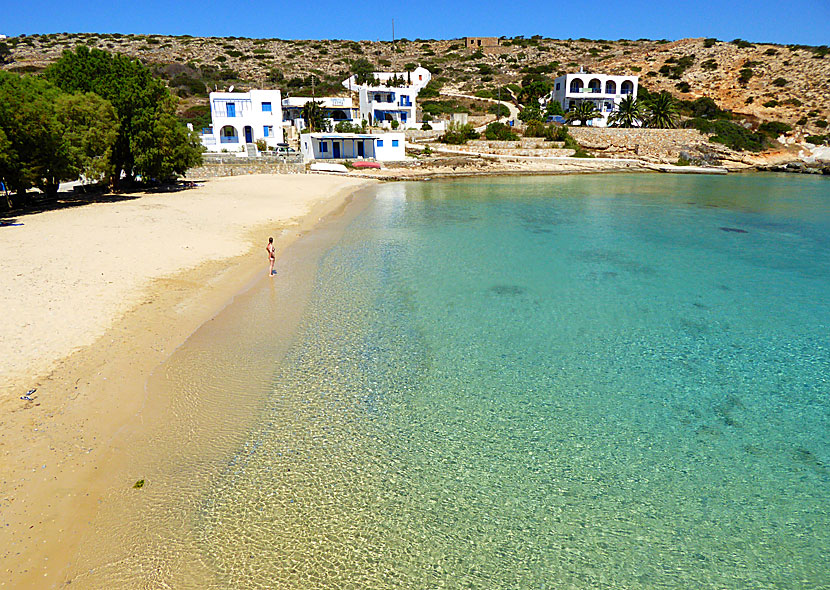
[
  {"x": 230, "y": 109},
  {"x": 380, "y": 143},
  {"x": 266, "y": 107},
  {"x": 265, "y": 130},
  {"x": 394, "y": 143}
]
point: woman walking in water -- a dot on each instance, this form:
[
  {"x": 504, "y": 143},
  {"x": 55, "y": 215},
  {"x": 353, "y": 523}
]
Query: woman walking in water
[{"x": 270, "y": 249}]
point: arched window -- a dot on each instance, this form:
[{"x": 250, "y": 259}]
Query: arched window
[
  {"x": 595, "y": 85},
  {"x": 610, "y": 87},
  {"x": 627, "y": 87},
  {"x": 338, "y": 115},
  {"x": 576, "y": 85},
  {"x": 228, "y": 134}
]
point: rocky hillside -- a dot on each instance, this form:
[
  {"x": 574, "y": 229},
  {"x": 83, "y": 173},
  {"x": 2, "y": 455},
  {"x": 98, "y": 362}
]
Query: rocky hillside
[{"x": 759, "y": 82}]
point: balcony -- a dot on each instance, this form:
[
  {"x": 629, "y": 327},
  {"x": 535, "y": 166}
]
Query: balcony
[{"x": 229, "y": 139}]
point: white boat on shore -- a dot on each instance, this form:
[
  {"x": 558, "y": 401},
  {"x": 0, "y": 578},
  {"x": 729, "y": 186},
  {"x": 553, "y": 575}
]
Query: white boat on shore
[{"x": 320, "y": 167}]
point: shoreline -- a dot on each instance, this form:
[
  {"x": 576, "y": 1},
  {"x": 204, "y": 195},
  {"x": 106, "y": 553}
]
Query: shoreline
[{"x": 52, "y": 447}]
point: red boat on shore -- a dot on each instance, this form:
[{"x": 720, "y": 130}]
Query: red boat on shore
[{"x": 366, "y": 165}]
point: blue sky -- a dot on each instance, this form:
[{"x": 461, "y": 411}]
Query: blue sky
[{"x": 795, "y": 21}]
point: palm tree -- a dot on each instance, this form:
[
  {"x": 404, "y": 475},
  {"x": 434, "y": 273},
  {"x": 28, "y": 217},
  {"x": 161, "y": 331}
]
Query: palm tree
[
  {"x": 583, "y": 112},
  {"x": 628, "y": 114},
  {"x": 662, "y": 111}
]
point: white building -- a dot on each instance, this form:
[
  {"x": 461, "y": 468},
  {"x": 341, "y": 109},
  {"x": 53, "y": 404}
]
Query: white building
[
  {"x": 353, "y": 146},
  {"x": 336, "y": 109},
  {"x": 606, "y": 92},
  {"x": 240, "y": 118},
  {"x": 391, "y": 97}
]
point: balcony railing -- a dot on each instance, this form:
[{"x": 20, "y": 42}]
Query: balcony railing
[{"x": 229, "y": 139}]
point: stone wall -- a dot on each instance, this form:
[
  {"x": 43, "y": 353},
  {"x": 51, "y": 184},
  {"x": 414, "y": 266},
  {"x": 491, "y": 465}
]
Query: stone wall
[
  {"x": 662, "y": 145},
  {"x": 233, "y": 166}
]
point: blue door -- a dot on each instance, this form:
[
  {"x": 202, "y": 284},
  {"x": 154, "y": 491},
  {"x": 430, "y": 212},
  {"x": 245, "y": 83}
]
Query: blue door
[
  {"x": 249, "y": 135},
  {"x": 230, "y": 109},
  {"x": 335, "y": 146}
]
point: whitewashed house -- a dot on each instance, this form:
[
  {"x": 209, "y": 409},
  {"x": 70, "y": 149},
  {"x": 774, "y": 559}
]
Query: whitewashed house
[
  {"x": 353, "y": 146},
  {"x": 391, "y": 97},
  {"x": 240, "y": 118},
  {"x": 606, "y": 92},
  {"x": 335, "y": 109}
]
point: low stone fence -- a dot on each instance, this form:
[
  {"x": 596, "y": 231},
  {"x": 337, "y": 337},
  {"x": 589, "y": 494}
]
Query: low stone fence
[
  {"x": 554, "y": 149},
  {"x": 417, "y": 134},
  {"x": 660, "y": 144},
  {"x": 529, "y": 143},
  {"x": 233, "y": 166}
]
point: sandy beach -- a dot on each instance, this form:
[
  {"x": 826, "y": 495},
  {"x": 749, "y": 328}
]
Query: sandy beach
[{"x": 95, "y": 297}]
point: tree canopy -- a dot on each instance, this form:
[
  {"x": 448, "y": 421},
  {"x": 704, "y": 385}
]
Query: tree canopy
[
  {"x": 583, "y": 112},
  {"x": 150, "y": 142},
  {"x": 628, "y": 114},
  {"x": 314, "y": 117},
  {"x": 48, "y": 136}
]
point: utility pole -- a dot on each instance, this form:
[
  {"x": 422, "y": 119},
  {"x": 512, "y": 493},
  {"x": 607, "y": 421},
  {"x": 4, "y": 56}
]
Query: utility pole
[{"x": 393, "y": 34}]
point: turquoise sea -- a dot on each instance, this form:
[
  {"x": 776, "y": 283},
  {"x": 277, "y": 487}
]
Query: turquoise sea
[{"x": 608, "y": 381}]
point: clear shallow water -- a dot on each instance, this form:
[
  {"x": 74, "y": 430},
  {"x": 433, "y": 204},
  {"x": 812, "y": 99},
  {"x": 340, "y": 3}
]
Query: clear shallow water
[{"x": 568, "y": 382}]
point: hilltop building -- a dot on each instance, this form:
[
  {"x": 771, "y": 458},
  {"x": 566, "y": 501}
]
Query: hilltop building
[
  {"x": 481, "y": 42},
  {"x": 390, "y": 97},
  {"x": 606, "y": 92},
  {"x": 240, "y": 118},
  {"x": 336, "y": 109}
]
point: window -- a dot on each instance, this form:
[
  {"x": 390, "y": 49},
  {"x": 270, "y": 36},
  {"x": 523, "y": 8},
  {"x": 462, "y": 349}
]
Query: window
[
  {"x": 557, "y": 85},
  {"x": 268, "y": 131},
  {"x": 380, "y": 143},
  {"x": 394, "y": 143},
  {"x": 324, "y": 147},
  {"x": 230, "y": 109},
  {"x": 266, "y": 107}
]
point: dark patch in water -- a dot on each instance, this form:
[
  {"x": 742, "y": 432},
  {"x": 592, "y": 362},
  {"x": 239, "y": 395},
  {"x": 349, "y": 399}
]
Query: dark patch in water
[
  {"x": 734, "y": 230},
  {"x": 616, "y": 259},
  {"x": 700, "y": 305},
  {"x": 724, "y": 287},
  {"x": 808, "y": 459},
  {"x": 508, "y": 290},
  {"x": 726, "y": 409}
]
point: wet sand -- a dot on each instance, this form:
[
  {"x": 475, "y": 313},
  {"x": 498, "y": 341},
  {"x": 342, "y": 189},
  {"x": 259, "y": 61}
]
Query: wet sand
[{"x": 95, "y": 298}]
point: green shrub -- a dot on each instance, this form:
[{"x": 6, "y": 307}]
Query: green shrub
[
  {"x": 821, "y": 123},
  {"x": 729, "y": 134},
  {"x": 500, "y": 131},
  {"x": 347, "y": 127},
  {"x": 771, "y": 104},
  {"x": 710, "y": 42},
  {"x": 742, "y": 44},
  {"x": 703, "y": 107},
  {"x": 458, "y": 134},
  {"x": 426, "y": 127},
  {"x": 771, "y": 51},
  {"x": 683, "y": 86},
  {"x": 745, "y": 75},
  {"x": 774, "y": 128},
  {"x": 780, "y": 82},
  {"x": 801, "y": 121},
  {"x": 817, "y": 139},
  {"x": 710, "y": 65}
]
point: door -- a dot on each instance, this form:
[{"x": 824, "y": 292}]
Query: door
[
  {"x": 249, "y": 135},
  {"x": 335, "y": 148},
  {"x": 359, "y": 149},
  {"x": 230, "y": 109}
]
